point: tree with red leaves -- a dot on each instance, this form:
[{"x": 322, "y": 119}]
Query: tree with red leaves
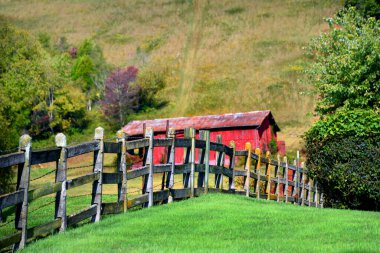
[{"x": 121, "y": 95}]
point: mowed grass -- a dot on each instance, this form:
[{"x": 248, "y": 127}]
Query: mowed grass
[{"x": 223, "y": 223}]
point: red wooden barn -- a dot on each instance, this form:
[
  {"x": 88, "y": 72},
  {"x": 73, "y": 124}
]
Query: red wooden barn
[{"x": 257, "y": 127}]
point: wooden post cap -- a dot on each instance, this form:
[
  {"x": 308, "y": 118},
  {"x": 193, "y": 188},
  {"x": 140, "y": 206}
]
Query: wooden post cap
[
  {"x": 148, "y": 132},
  {"x": 25, "y": 141},
  {"x": 232, "y": 144},
  {"x": 258, "y": 151},
  {"x": 191, "y": 132},
  {"x": 120, "y": 134},
  {"x": 248, "y": 145},
  {"x": 171, "y": 132},
  {"x": 60, "y": 140},
  {"x": 267, "y": 154},
  {"x": 99, "y": 133}
]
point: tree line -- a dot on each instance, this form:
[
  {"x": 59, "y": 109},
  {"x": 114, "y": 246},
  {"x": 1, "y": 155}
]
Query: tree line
[
  {"x": 53, "y": 86},
  {"x": 343, "y": 146}
]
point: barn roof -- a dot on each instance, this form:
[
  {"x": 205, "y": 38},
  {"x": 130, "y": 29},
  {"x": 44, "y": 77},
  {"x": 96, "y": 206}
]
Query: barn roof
[{"x": 230, "y": 120}]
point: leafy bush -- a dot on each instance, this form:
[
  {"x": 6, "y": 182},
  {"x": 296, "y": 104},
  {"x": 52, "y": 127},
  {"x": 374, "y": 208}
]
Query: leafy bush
[
  {"x": 359, "y": 122},
  {"x": 121, "y": 95},
  {"x": 90, "y": 68},
  {"x": 343, "y": 155},
  {"x": 151, "y": 83},
  {"x": 365, "y": 7},
  {"x": 36, "y": 93},
  {"x": 84, "y": 70},
  {"x": 347, "y": 168},
  {"x": 273, "y": 148},
  {"x": 343, "y": 146},
  {"x": 346, "y": 70}
]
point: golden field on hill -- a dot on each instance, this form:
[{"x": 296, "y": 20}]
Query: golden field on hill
[{"x": 216, "y": 56}]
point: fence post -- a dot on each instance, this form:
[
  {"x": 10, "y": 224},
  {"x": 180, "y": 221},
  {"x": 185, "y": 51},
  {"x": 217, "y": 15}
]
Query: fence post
[
  {"x": 231, "y": 183},
  {"x": 311, "y": 190},
  {"x": 23, "y": 177},
  {"x": 321, "y": 200},
  {"x": 98, "y": 168},
  {"x": 286, "y": 179},
  {"x": 258, "y": 172},
  {"x": 186, "y": 158},
  {"x": 61, "y": 176},
  {"x": 122, "y": 162},
  {"x": 192, "y": 162},
  {"x": 299, "y": 177},
  {"x": 303, "y": 184},
  {"x": 295, "y": 180},
  {"x": 166, "y": 176},
  {"x": 201, "y": 160},
  {"x": 171, "y": 161},
  {"x": 219, "y": 163},
  {"x": 149, "y": 134},
  {"x": 248, "y": 168},
  {"x": 316, "y": 195},
  {"x": 207, "y": 159},
  {"x": 278, "y": 177},
  {"x": 268, "y": 171}
]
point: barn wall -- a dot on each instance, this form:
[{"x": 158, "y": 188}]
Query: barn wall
[
  {"x": 266, "y": 134},
  {"x": 257, "y": 137}
]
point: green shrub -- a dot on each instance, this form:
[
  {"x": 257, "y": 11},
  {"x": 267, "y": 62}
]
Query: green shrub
[
  {"x": 234, "y": 10},
  {"x": 45, "y": 40},
  {"x": 346, "y": 69},
  {"x": 343, "y": 146},
  {"x": 151, "y": 84},
  {"x": 84, "y": 70},
  {"x": 273, "y": 148},
  {"x": 357, "y": 122},
  {"x": 347, "y": 168},
  {"x": 343, "y": 155},
  {"x": 365, "y": 7}
]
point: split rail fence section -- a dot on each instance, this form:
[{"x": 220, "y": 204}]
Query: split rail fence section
[{"x": 261, "y": 177}]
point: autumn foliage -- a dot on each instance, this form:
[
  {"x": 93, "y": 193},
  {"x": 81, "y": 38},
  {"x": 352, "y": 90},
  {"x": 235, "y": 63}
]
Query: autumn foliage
[{"x": 121, "y": 95}]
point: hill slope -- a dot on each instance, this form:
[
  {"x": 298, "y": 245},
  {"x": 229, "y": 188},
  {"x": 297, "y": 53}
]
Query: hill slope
[
  {"x": 223, "y": 223},
  {"x": 216, "y": 56}
]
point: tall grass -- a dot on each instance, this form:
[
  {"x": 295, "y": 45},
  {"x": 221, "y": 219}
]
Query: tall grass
[{"x": 248, "y": 54}]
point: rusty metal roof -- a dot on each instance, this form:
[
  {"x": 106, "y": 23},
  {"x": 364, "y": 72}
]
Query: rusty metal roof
[{"x": 230, "y": 120}]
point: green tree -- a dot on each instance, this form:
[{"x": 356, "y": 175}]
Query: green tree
[
  {"x": 342, "y": 147},
  {"x": 84, "y": 70},
  {"x": 90, "y": 70},
  {"x": 343, "y": 156},
  {"x": 367, "y": 8},
  {"x": 151, "y": 83},
  {"x": 25, "y": 77},
  {"x": 30, "y": 83},
  {"x": 346, "y": 71}
]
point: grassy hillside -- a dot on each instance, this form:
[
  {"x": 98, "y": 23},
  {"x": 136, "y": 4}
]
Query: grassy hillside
[
  {"x": 223, "y": 223},
  {"x": 216, "y": 56}
]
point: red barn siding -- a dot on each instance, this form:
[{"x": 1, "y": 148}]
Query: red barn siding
[
  {"x": 254, "y": 127},
  {"x": 239, "y": 136}
]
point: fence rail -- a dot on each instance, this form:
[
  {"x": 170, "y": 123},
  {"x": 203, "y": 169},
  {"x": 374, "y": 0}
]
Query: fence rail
[{"x": 260, "y": 177}]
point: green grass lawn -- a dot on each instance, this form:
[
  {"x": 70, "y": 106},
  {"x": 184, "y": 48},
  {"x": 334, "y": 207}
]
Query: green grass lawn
[{"x": 223, "y": 223}]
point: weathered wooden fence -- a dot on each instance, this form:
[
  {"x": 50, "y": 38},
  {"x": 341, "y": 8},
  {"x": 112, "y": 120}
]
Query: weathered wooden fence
[{"x": 260, "y": 177}]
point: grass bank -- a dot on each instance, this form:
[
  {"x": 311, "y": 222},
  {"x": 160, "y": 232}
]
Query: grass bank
[{"x": 223, "y": 223}]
